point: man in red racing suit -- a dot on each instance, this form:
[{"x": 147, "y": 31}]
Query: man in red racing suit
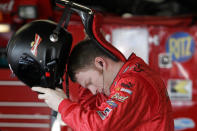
[{"x": 138, "y": 101}]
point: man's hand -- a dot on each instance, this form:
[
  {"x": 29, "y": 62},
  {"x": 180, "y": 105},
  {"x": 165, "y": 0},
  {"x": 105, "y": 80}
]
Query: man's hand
[{"x": 52, "y": 97}]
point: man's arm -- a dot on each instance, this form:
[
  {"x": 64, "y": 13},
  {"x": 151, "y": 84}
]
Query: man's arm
[
  {"x": 88, "y": 100},
  {"x": 123, "y": 107}
]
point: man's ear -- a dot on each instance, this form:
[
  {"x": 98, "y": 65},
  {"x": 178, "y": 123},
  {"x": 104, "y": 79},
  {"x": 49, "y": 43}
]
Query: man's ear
[{"x": 99, "y": 63}]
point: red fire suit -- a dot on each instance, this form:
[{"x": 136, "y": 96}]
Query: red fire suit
[{"x": 138, "y": 101}]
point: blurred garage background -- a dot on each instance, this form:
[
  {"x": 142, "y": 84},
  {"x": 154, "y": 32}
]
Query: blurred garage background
[{"x": 162, "y": 32}]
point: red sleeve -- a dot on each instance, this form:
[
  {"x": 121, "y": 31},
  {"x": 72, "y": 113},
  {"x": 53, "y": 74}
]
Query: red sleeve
[
  {"x": 125, "y": 106},
  {"x": 86, "y": 98}
]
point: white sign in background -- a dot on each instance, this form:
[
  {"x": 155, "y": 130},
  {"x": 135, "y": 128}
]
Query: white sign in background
[{"x": 129, "y": 40}]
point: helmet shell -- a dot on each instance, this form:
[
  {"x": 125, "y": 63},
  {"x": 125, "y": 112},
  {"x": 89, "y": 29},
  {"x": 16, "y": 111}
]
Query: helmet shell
[{"x": 34, "y": 58}]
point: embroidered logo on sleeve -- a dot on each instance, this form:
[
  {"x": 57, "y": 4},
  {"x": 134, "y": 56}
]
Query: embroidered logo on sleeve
[
  {"x": 123, "y": 90},
  {"x": 137, "y": 68},
  {"x": 120, "y": 98},
  {"x": 126, "y": 90},
  {"x": 127, "y": 85},
  {"x": 105, "y": 113},
  {"x": 101, "y": 115},
  {"x": 111, "y": 103}
]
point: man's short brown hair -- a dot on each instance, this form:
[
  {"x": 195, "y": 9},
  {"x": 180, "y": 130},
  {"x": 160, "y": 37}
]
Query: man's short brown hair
[{"x": 83, "y": 55}]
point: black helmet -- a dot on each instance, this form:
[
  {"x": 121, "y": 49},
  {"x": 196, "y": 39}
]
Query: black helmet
[{"x": 36, "y": 59}]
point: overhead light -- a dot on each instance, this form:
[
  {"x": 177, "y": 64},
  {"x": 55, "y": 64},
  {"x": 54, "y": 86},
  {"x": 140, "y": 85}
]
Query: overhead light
[
  {"x": 27, "y": 12},
  {"x": 5, "y": 28}
]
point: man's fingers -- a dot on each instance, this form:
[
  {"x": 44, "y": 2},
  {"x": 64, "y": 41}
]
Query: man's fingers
[
  {"x": 58, "y": 89},
  {"x": 42, "y": 96},
  {"x": 40, "y": 89},
  {"x": 46, "y": 101}
]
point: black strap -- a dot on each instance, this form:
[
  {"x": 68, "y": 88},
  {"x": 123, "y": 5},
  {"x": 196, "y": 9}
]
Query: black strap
[
  {"x": 69, "y": 13},
  {"x": 63, "y": 23}
]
